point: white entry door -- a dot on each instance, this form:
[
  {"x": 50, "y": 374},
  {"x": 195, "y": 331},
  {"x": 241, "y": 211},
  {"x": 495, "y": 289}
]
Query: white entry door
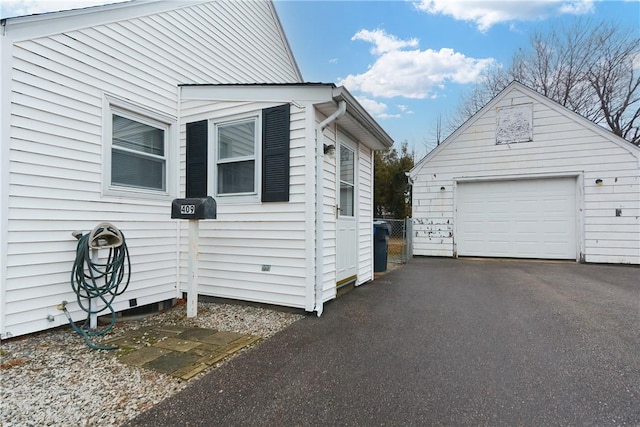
[
  {"x": 528, "y": 218},
  {"x": 347, "y": 236}
]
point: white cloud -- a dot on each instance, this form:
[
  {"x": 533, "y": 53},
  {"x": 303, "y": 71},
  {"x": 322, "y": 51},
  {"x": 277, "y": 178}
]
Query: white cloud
[
  {"x": 373, "y": 107},
  {"x": 333, "y": 61},
  {"x": 388, "y": 116},
  {"x": 635, "y": 62},
  {"x": 487, "y": 13},
  {"x": 577, "y": 7},
  {"x": 383, "y": 42},
  {"x": 411, "y": 73}
]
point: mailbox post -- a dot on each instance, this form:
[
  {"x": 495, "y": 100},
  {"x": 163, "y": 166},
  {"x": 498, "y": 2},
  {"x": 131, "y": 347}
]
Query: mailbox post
[{"x": 193, "y": 209}]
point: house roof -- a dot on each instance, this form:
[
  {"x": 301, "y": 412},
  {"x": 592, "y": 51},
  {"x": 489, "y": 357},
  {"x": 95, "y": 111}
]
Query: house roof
[
  {"x": 324, "y": 96},
  {"x": 538, "y": 98}
]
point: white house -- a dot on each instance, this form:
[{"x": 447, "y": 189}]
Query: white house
[
  {"x": 528, "y": 178},
  {"x": 202, "y": 80}
]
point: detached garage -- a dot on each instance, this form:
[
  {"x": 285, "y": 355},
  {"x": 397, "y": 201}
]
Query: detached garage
[{"x": 528, "y": 178}]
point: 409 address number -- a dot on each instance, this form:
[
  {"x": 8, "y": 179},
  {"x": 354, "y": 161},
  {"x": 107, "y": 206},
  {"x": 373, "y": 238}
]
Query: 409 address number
[{"x": 187, "y": 209}]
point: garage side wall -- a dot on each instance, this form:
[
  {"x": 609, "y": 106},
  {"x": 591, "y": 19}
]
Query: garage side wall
[{"x": 561, "y": 145}]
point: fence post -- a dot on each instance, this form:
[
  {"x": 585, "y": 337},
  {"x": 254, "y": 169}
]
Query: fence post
[{"x": 408, "y": 224}]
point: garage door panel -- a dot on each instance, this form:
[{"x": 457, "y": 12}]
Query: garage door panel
[{"x": 520, "y": 218}]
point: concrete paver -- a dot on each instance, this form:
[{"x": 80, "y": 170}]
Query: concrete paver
[
  {"x": 179, "y": 351},
  {"x": 171, "y": 362},
  {"x": 177, "y": 344},
  {"x": 143, "y": 356},
  {"x": 221, "y": 338}
]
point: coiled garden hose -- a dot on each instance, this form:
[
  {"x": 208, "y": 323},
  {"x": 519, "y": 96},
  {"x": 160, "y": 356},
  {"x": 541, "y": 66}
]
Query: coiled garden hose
[{"x": 91, "y": 280}]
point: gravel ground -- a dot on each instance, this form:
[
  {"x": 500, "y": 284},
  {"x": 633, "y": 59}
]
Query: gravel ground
[{"x": 53, "y": 379}]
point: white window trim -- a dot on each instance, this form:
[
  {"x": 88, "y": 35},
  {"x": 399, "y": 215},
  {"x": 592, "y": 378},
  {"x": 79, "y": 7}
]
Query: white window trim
[
  {"x": 113, "y": 105},
  {"x": 212, "y": 184},
  {"x": 350, "y": 147}
]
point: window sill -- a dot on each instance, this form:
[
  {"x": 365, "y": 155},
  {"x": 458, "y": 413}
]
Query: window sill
[
  {"x": 248, "y": 199},
  {"x": 136, "y": 193}
]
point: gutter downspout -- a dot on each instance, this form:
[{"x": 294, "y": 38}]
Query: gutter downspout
[{"x": 342, "y": 108}]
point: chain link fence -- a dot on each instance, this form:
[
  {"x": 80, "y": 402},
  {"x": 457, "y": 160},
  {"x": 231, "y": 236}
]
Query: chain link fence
[{"x": 400, "y": 241}]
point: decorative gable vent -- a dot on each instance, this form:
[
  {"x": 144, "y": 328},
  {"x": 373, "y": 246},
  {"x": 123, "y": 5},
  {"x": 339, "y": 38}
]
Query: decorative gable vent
[{"x": 514, "y": 124}]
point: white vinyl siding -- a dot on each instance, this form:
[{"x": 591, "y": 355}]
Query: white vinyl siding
[
  {"x": 365, "y": 214},
  {"x": 248, "y": 235},
  {"x": 58, "y": 91},
  {"x": 563, "y": 145},
  {"x": 330, "y": 241}
]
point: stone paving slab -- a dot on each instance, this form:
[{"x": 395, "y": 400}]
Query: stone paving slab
[
  {"x": 239, "y": 343},
  {"x": 196, "y": 333},
  {"x": 171, "y": 329},
  {"x": 182, "y": 352},
  {"x": 205, "y": 349},
  {"x": 143, "y": 356},
  {"x": 222, "y": 338},
  {"x": 190, "y": 370},
  {"x": 176, "y": 344},
  {"x": 136, "y": 338},
  {"x": 212, "y": 358},
  {"x": 171, "y": 362}
]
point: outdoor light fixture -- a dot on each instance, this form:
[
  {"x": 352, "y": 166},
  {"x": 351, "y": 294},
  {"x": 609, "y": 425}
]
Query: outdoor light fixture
[
  {"x": 441, "y": 188},
  {"x": 598, "y": 181},
  {"x": 330, "y": 150}
]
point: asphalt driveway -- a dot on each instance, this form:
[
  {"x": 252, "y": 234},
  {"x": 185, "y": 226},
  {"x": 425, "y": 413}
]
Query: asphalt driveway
[{"x": 442, "y": 342}]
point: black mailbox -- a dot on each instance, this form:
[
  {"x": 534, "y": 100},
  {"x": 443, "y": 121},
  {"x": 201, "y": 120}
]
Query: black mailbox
[{"x": 194, "y": 208}]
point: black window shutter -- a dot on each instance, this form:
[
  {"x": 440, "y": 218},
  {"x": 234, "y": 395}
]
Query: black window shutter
[
  {"x": 197, "y": 159},
  {"x": 275, "y": 153}
]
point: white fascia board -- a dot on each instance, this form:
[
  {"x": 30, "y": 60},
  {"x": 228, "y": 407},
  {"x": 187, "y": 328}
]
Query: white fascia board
[
  {"x": 6, "y": 64},
  {"x": 357, "y": 111},
  {"x": 259, "y": 93},
  {"x": 45, "y": 24}
]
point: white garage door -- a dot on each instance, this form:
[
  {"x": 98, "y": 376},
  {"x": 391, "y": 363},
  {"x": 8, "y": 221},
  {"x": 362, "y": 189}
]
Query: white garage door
[{"x": 532, "y": 218}]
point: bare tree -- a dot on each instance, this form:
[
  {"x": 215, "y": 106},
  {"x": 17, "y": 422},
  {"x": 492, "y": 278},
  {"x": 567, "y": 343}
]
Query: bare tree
[
  {"x": 616, "y": 83},
  {"x": 587, "y": 67},
  {"x": 437, "y": 132}
]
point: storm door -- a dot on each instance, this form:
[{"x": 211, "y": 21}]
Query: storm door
[{"x": 347, "y": 230}]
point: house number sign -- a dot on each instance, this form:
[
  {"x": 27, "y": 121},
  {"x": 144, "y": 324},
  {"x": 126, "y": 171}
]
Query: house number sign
[{"x": 187, "y": 209}]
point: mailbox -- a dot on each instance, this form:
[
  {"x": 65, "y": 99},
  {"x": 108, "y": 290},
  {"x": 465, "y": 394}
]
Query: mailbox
[{"x": 194, "y": 208}]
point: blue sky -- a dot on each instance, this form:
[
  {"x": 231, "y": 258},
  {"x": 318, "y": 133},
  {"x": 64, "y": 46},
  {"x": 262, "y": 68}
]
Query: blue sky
[{"x": 406, "y": 61}]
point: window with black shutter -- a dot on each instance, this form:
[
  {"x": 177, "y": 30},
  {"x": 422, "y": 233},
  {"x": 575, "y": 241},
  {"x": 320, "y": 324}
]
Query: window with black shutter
[
  {"x": 275, "y": 153},
  {"x": 197, "y": 159}
]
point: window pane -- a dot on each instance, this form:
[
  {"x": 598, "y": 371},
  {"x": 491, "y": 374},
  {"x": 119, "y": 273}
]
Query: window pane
[
  {"x": 134, "y": 170},
  {"x": 236, "y": 177},
  {"x": 236, "y": 140},
  {"x": 137, "y": 136},
  {"x": 347, "y": 178},
  {"x": 346, "y": 164},
  {"x": 346, "y": 199}
]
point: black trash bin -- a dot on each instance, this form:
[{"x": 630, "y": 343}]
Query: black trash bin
[{"x": 381, "y": 232}]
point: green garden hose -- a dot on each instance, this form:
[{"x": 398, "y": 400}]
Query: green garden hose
[{"x": 91, "y": 280}]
